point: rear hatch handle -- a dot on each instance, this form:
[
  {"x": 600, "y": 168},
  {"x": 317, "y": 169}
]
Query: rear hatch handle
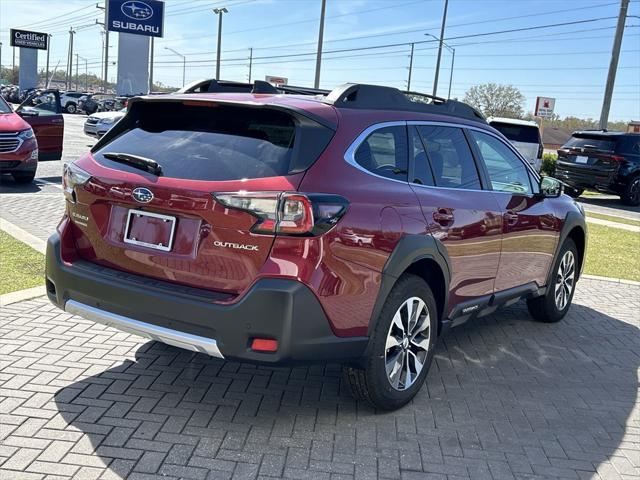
[{"x": 143, "y": 163}]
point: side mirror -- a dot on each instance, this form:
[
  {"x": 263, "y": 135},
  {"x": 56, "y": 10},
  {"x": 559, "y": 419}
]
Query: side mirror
[{"x": 551, "y": 187}]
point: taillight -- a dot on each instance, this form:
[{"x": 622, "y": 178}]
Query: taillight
[
  {"x": 287, "y": 213},
  {"x": 73, "y": 176},
  {"x": 616, "y": 158}
]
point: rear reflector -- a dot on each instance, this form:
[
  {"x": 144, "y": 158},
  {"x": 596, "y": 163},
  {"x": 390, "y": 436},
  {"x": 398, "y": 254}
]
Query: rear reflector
[{"x": 264, "y": 345}]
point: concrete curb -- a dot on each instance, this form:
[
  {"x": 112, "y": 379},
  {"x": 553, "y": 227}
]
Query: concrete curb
[
  {"x": 608, "y": 223},
  {"x": 611, "y": 279},
  {"x": 22, "y": 295},
  {"x": 23, "y": 236}
]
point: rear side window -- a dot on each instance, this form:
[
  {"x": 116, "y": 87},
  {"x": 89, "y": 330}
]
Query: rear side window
[
  {"x": 518, "y": 133},
  {"x": 450, "y": 157},
  {"x": 628, "y": 145},
  {"x": 591, "y": 143},
  {"x": 384, "y": 152},
  {"x": 216, "y": 142}
]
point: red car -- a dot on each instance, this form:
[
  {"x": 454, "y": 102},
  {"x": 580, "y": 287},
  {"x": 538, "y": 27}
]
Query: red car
[
  {"x": 227, "y": 224},
  {"x": 33, "y": 132}
]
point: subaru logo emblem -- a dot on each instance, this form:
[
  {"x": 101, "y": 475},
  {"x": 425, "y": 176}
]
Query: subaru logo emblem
[
  {"x": 137, "y": 10},
  {"x": 142, "y": 195}
]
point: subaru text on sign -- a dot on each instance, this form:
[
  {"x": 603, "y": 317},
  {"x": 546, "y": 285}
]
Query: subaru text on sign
[
  {"x": 27, "y": 39},
  {"x": 135, "y": 16}
]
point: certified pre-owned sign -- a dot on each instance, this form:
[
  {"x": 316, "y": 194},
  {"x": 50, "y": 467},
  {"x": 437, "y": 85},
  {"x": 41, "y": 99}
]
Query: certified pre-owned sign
[
  {"x": 27, "y": 39},
  {"x": 141, "y": 17}
]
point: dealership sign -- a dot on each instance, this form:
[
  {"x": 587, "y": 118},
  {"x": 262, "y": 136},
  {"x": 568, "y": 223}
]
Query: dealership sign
[
  {"x": 544, "y": 107},
  {"x": 140, "y": 17},
  {"x": 27, "y": 39},
  {"x": 276, "y": 80}
]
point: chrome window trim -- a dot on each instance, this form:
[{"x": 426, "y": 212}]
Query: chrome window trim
[{"x": 349, "y": 155}]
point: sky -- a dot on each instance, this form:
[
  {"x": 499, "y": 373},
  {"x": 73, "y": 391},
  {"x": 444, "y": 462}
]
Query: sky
[{"x": 567, "y": 62}]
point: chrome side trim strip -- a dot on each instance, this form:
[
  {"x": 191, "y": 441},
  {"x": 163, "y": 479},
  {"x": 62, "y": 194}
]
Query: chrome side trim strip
[{"x": 169, "y": 336}]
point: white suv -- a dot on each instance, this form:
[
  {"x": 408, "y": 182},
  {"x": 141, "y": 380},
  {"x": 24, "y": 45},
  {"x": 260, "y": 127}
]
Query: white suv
[
  {"x": 524, "y": 135},
  {"x": 69, "y": 101}
]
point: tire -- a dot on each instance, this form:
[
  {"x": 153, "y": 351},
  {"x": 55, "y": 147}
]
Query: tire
[
  {"x": 574, "y": 192},
  {"x": 372, "y": 383},
  {"x": 631, "y": 194},
  {"x": 547, "y": 308},
  {"x": 70, "y": 108},
  {"x": 23, "y": 177}
]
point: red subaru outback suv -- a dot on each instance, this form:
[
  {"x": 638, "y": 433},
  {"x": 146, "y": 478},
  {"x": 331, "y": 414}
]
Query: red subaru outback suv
[{"x": 354, "y": 226}]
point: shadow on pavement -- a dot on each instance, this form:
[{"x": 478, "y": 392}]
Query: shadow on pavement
[
  {"x": 9, "y": 185},
  {"x": 504, "y": 394}
]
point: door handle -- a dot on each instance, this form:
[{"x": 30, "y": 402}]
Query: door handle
[
  {"x": 443, "y": 216},
  {"x": 511, "y": 217}
]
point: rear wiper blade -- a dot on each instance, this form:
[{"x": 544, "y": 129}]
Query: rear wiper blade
[{"x": 136, "y": 161}]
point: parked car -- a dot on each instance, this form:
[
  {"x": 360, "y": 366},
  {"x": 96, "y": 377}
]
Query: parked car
[
  {"x": 100, "y": 123},
  {"x": 90, "y": 103},
  {"x": 70, "y": 101},
  {"x": 32, "y": 132},
  {"x": 229, "y": 225},
  {"x": 524, "y": 135},
  {"x": 604, "y": 161}
]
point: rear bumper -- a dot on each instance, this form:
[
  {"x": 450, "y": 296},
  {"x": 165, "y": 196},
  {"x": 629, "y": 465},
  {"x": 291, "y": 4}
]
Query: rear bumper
[
  {"x": 280, "y": 309},
  {"x": 599, "y": 179}
]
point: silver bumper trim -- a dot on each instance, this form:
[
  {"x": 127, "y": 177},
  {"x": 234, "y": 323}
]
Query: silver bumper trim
[{"x": 169, "y": 336}]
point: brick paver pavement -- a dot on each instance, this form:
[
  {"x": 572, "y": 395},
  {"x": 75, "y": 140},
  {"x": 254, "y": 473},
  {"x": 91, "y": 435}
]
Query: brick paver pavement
[{"x": 506, "y": 398}]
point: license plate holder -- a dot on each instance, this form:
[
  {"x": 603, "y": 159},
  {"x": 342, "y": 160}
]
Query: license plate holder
[
  {"x": 150, "y": 230},
  {"x": 582, "y": 159}
]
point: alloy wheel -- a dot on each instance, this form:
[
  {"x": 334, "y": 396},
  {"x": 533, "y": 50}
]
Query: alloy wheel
[
  {"x": 565, "y": 280},
  {"x": 407, "y": 343}
]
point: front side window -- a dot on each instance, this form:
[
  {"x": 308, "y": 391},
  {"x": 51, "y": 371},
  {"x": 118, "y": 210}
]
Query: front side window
[
  {"x": 507, "y": 172},
  {"x": 450, "y": 157},
  {"x": 384, "y": 153}
]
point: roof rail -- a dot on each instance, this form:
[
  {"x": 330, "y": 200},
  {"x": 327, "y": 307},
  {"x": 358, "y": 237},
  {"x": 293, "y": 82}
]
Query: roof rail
[
  {"x": 376, "y": 97},
  {"x": 223, "y": 86},
  {"x": 302, "y": 90}
]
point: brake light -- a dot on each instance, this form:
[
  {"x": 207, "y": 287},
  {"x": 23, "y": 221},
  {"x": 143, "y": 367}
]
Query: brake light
[
  {"x": 72, "y": 176},
  {"x": 616, "y": 158},
  {"x": 287, "y": 213}
]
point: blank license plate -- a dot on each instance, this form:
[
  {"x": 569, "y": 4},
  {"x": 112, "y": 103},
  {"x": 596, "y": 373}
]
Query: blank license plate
[
  {"x": 151, "y": 230},
  {"x": 581, "y": 159}
]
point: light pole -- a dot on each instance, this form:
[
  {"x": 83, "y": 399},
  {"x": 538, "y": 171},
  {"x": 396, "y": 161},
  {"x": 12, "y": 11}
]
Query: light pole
[
  {"x": 250, "y": 62},
  {"x": 184, "y": 62},
  {"x": 453, "y": 59},
  {"x": 219, "y": 12},
  {"x": 0, "y": 59}
]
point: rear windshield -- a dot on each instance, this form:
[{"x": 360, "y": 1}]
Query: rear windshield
[
  {"x": 518, "y": 133},
  {"x": 217, "y": 142},
  {"x": 591, "y": 143}
]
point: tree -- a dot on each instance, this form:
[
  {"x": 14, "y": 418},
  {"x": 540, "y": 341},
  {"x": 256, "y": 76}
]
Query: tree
[{"x": 495, "y": 100}]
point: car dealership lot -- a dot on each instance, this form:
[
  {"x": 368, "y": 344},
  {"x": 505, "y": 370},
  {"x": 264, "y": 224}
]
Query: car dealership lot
[{"x": 506, "y": 397}]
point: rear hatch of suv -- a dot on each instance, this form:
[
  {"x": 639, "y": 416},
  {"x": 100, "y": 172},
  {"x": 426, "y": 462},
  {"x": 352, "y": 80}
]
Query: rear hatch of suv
[
  {"x": 588, "y": 159},
  {"x": 185, "y": 191}
]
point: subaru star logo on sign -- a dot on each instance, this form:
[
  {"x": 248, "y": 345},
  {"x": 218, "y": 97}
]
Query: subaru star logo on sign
[
  {"x": 136, "y": 16},
  {"x": 142, "y": 195}
]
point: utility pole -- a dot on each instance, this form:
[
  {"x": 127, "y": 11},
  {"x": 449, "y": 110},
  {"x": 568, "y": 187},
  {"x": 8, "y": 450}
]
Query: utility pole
[
  {"x": 410, "y": 68},
  {"x": 106, "y": 44},
  {"x": 69, "y": 79},
  {"x": 219, "y": 12},
  {"x": 250, "y": 62},
  {"x": 0, "y": 59},
  {"x": 444, "y": 22},
  {"x": 613, "y": 66},
  {"x": 46, "y": 78},
  {"x": 151, "y": 66},
  {"x": 77, "y": 78},
  {"x": 316, "y": 83}
]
